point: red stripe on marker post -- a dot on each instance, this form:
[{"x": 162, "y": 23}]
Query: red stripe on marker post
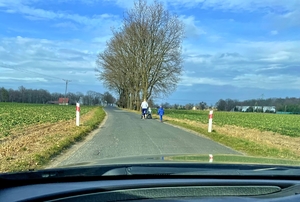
[
  {"x": 210, "y": 117},
  {"x": 77, "y": 114},
  {"x": 211, "y": 158}
]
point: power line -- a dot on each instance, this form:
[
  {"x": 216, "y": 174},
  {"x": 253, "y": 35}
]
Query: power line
[
  {"x": 188, "y": 100},
  {"x": 27, "y": 71},
  {"x": 67, "y": 81},
  {"x": 33, "y": 72}
]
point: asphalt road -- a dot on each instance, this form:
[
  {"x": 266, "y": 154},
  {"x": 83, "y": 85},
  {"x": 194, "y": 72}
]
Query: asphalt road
[{"x": 125, "y": 134}]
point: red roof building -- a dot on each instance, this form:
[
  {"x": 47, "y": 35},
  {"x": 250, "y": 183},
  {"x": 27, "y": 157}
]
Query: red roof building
[{"x": 63, "y": 101}]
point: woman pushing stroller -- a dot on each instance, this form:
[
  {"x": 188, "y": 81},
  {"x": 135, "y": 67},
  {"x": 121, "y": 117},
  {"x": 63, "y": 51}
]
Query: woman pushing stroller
[
  {"x": 146, "y": 111},
  {"x": 144, "y": 107}
]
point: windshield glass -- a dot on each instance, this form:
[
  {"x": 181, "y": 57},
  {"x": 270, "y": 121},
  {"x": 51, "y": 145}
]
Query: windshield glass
[{"x": 110, "y": 82}]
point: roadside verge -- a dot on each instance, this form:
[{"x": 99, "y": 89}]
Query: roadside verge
[
  {"x": 35, "y": 148},
  {"x": 241, "y": 143}
]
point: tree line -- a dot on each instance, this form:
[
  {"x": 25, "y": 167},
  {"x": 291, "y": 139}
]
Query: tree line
[
  {"x": 288, "y": 104},
  {"x": 200, "y": 106},
  {"x": 143, "y": 58},
  {"x": 41, "y": 96}
]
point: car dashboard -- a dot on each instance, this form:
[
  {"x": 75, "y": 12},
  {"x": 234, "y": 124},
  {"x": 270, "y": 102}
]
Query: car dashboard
[{"x": 155, "y": 188}]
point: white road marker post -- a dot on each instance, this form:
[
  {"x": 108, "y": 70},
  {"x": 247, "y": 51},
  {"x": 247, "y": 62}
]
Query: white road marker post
[
  {"x": 211, "y": 157},
  {"x": 210, "y": 117},
  {"x": 77, "y": 114}
]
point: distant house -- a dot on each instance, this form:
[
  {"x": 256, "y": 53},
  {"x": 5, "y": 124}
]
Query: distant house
[
  {"x": 63, "y": 101},
  {"x": 255, "y": 108},
  {"x": 52, "y": 102},
  {"x": 269, "y": 109},
  {"x": 241, "y": 108}
]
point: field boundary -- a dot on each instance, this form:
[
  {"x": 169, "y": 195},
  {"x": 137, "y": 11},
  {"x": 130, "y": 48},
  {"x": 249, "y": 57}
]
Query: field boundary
[
  {"x": 242, "y": 145},
  {"x": 37, "y": 149},
  {"x": 55, "y": 161}
]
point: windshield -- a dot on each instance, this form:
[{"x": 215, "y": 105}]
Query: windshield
[{"x": 124, "y": 82}]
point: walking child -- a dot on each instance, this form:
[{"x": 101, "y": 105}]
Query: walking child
[{"x": 161, "y": 112}]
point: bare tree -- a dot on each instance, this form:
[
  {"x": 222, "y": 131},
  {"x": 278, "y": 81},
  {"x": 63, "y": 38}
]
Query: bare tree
[
  {"x": 42, "y": 96},
  {"x": 143, "y": 58},
  {"x": 108, "y": 98},
  {"x": 202, "y": 105},
  {"x": 22, "y": 90},
  {"x": 4, "y": 95},
  {"x": 189, "y": 106}
]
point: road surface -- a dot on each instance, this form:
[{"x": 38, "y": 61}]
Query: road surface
[{"x": 125, "y": 134}]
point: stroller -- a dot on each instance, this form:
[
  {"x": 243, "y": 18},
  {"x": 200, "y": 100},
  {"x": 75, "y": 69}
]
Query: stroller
[{"x": 148, "y": 114}]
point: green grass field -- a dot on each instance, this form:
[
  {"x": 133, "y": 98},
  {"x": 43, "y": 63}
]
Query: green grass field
[
  {"x": 17, "y": 115},
  {"x": 280, "y": 123}
]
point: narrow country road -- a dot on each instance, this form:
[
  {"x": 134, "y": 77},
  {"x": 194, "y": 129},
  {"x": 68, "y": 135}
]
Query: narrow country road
[{"x": 125, "y": 134}]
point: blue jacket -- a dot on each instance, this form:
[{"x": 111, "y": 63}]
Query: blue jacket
[{"x": 161, "y": 111}]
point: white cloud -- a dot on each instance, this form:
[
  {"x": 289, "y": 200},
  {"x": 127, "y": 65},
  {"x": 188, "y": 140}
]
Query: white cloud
[
  {"x": 129, "y": 3},
  {"x": 28, "y": 79},
  {"x": 238, "y": 5},
  {"x": 67, "y": 25},
  {"x": 274, "y": 32},
  {"x": 190, "y": 81},
  {"x": 269, "y": 51},
  {"x": 198, "y": 60},
  {"x": 214, "y": 38},
  {"x": 48, "y": 59},
  {"x": 260, "y": 81},
  {"x": 41, "y": 14},
  {"x": 278, "y": 14},
  {"x": 215, "y": 59},
  {"x": 191, "y": 49},
  {"x": 271, "y": 67},
  {"x": 2, "y": 49},
  {"x": 102, "y": 39},
  {"x": 191, "y": 27},
  {"x": 285, "y": 20},
  {"x": 244, "y": 63},
  {"x": 280, "y": 56},
  {"x": 267, "y": 82}
]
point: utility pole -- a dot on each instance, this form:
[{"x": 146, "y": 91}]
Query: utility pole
[
  {"x": 262, "y": 106},
  {"x": 285, "y": 108},
  {"x": 67, "y": 81}
]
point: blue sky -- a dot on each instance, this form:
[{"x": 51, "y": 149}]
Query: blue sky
[{"x": 232, "y": 49}]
